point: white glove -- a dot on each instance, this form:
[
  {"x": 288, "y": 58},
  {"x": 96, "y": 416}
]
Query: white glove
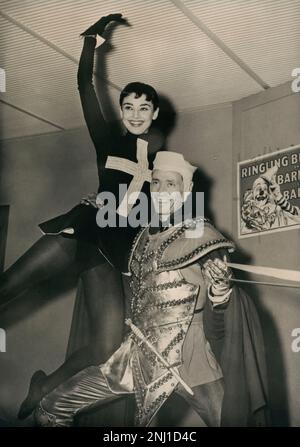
[{"x": 218, "y": 274}]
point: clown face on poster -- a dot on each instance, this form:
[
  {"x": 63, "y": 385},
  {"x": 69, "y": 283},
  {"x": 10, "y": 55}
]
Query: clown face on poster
[{"x": 269, "y": 193}]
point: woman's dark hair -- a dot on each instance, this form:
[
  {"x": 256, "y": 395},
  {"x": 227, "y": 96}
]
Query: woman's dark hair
[{"x": 140, "y": 89}]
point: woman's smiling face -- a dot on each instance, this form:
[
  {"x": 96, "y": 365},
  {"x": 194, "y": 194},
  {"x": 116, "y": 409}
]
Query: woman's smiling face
[{"x": 137, "y": 114}]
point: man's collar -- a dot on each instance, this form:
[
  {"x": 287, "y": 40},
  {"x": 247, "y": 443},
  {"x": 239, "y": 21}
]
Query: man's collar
[{"x": 161, "y": 226}]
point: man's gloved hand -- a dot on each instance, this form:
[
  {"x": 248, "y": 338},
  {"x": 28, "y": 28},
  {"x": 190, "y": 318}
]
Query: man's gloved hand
[
  {"x": 218, "y": 274},
  {"x": 99, "y": 27}
]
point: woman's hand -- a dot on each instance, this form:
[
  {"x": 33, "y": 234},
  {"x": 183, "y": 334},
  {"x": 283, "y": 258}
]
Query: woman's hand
[{"x": 99, "y": 27}]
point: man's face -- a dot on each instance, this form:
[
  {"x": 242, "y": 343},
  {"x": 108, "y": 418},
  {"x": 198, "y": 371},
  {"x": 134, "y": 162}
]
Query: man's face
[
  {"x": 137, "y": 114},
  {"x": 167, "y": 191}
]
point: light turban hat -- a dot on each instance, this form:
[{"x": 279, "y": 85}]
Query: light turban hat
[{"x": 174, "y": 162}]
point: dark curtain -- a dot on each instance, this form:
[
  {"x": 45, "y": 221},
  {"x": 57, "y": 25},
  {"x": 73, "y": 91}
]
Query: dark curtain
[{"x": 119, "y": 413}]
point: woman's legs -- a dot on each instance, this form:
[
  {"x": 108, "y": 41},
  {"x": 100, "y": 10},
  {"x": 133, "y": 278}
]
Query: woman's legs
[{"x": 49, "y": 256}]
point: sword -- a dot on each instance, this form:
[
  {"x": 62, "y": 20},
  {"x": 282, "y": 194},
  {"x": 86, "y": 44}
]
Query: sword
[{"x": 140, "y": 335}]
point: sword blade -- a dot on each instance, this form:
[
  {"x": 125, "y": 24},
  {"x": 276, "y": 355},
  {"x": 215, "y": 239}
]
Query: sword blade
[{"x": 286, "y": 274}]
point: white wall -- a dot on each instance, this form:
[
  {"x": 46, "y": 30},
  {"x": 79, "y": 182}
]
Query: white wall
[
  {"x": 264, "y": 123},
  {"x": 205, "y": 139},
  {"x": 41, "y": 177}
]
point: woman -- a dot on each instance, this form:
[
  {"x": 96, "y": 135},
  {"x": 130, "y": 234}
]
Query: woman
[{"x": 75, "y": 237}]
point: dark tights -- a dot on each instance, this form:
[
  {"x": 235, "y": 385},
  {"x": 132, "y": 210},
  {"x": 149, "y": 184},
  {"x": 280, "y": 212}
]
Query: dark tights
[
  {"x": 52, "y": 255},
  {"x": 49, "y": 256}
]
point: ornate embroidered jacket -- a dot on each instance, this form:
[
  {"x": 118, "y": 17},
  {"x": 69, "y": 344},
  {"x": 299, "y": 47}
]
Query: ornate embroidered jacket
[{"x": 162, "y": 307}]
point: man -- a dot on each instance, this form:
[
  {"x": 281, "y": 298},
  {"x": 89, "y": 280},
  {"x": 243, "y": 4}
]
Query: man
[{"x": 192, "y": 332}]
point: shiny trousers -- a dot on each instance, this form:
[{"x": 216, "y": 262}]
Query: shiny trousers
[{"x": 88, "y": 389}]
